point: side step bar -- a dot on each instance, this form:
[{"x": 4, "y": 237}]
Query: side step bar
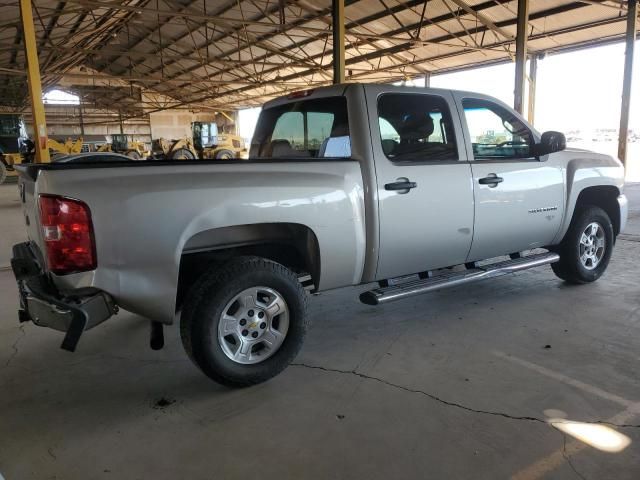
[{"x": 382, "y": 295}]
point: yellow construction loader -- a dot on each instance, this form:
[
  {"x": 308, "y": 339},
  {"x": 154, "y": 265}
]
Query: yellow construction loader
[
  {"x": 120, "y": 144},
  {"x": 182, "y": 149},
  {"x": 214, "y": 145},
  {"x": 205, "y": 144},
  {"x": 68, "y": 147}
]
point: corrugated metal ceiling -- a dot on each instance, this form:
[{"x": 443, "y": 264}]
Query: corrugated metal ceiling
[{"x": 228, "y": 54}]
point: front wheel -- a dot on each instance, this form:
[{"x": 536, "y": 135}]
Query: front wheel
[
  {"x": 244, "y": 322},
  {"x": 134, "y": 155},
  {"x": 586, "y": 249},
  {"x": 3, "y": 173},
  {"x": 182, "y": 154}
]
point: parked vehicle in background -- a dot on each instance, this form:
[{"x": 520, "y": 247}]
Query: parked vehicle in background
[
  {"x": 68, "y": 147},
  {"x": 14, "y": 144},
  {"x": 345, "y": 185},
  {"x": 120, "y": 143},
  {"x": 211, "y": 144},
  {"x": 204, "y": 144}
]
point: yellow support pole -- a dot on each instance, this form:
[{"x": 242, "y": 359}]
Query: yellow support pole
[
  {"x": 35, "y": 85},
  {"x": 337, "y": 12}
]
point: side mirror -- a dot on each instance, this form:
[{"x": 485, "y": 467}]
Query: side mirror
[{"x": 550, "y": 142}]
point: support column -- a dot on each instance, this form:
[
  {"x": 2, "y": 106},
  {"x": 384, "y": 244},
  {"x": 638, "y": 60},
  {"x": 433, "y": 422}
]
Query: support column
[
  {"x": 338, "y": 40},
  {"x": 533, "y": 73},
  {"x": 81, "y": 118},
  {"x": 35, "y": 84},
  {"x": 427, "y": 79},
  {"x": 521, "y": 54},
  {"x": 120, "y": 121},
  {"x": 630, "y": 39}
]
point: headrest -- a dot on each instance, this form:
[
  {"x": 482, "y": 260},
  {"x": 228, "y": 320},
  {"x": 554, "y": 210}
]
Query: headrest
[
  {"x": 416, "y": 126},
  {"x": 340, "y": 130},
  {"x": 281, "y": 148}
]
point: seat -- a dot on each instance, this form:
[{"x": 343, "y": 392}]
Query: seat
[
  {"x": 282, "y": 149},
  {"x": 389, "y": 146},
  {"x": 415, "y": 130}
]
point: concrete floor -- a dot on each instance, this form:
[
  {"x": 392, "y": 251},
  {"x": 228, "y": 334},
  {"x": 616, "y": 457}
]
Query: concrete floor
[{"x": 459, "y": 384}]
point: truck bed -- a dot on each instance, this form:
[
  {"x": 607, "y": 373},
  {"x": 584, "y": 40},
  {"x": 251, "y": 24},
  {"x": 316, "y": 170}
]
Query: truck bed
[{"x": 146, "y": 214}]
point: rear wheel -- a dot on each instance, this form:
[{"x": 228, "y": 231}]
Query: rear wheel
[
  {"x": 586, "y": 249},
  {"x": 244, "y": 322},
  {"x": 182, "y": 154}
]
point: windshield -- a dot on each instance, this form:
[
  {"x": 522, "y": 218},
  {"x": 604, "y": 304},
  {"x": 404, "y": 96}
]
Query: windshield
[{"x": 316, "y": 128}]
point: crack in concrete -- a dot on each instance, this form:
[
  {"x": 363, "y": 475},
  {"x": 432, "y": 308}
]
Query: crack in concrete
[
  {"x": 567, "y": 458},
  {"x": 15, "y": 346},
  {"x": 422, "y": 392},
  {"x": 447, "y": 402}
]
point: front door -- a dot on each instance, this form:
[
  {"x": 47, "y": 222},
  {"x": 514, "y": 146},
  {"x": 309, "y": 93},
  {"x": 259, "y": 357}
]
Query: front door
[
  {"x": 518, "y": 197},
  {"x": 425, "y": 196}
]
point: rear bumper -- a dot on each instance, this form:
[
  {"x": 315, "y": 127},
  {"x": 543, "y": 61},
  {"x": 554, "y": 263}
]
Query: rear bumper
[
  {"x": 41, "y": 302},
  {"x": 624, "y": 211}
]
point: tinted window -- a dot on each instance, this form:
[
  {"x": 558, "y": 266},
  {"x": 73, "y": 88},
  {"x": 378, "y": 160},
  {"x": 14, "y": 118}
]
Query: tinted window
[
  {"x": 308, "y": 128},
  {"x": 496, "y": 132},
  {"x": 416, "y": 127}
]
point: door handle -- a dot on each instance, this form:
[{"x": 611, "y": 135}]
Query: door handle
[
  {"x": 401, "y": 185},
  {"x": 492, "y": 180}
]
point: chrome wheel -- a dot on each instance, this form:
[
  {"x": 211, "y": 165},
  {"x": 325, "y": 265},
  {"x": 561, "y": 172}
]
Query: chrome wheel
[
  {"x": 253, "y": 325},
  {"x": 592, "y": 245}
]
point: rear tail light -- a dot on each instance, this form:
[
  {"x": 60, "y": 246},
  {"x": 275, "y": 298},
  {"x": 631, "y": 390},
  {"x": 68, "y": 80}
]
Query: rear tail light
[{"x": 68, "y": 234}]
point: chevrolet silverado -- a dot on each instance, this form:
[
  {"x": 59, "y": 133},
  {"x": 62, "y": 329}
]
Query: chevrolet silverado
[{"x": 414, "y": 189}]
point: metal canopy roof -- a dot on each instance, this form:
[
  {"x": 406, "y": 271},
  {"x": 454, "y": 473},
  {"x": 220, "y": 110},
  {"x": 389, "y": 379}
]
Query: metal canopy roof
[{"x": 237, "y": 53}]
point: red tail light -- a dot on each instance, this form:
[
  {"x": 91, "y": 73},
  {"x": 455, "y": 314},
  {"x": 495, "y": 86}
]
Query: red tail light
[{"x": 68, "y": 234}]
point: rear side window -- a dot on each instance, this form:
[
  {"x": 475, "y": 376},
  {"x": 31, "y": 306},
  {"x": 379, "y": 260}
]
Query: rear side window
[
  {"x": 416, "y": 128},
  {"x": 316, "y": 128}
]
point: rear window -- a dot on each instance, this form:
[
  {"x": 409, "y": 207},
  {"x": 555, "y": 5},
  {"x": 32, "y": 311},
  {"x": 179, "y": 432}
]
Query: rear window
[{"x": 306, "y": 129}]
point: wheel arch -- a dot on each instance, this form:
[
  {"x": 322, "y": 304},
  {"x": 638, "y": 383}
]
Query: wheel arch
[
  {"x": 605, "y": 197},
  {"x": 291, "y": 244}
]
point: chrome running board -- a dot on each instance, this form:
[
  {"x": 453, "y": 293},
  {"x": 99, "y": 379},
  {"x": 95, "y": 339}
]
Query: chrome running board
[{"x": 382, "y": 295}]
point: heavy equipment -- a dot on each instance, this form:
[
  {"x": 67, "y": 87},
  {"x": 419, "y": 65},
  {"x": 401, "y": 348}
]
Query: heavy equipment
[
  {"x": 120, "y": 143},
  {"x": 182, "y": 149},
  {"x": 214, "y": 145},
  {"x": 68, "y": 147},
  {"x": 205, "y": 144},
  {"x": 14, "y": 144}
]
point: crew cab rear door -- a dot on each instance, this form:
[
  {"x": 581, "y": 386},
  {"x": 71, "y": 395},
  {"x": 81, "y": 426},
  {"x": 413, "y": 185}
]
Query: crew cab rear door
[
  {"x": 518, "y": 197},
  {"x": 423, "y": 180}
]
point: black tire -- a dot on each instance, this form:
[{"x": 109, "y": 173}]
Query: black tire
[
  {"x": 182, "y": 154},
  {"x": 3, "y": 173},
  {"x": 570, "y": 268},
  {"x": 224, "y": 155},
  {"x": 204, "y": 306},
  {"x": 134, "y": 155}
]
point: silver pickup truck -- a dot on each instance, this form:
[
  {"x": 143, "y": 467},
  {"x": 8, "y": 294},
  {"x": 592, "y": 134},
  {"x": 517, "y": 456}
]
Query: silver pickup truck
[{"x": 415, "y": 189}]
